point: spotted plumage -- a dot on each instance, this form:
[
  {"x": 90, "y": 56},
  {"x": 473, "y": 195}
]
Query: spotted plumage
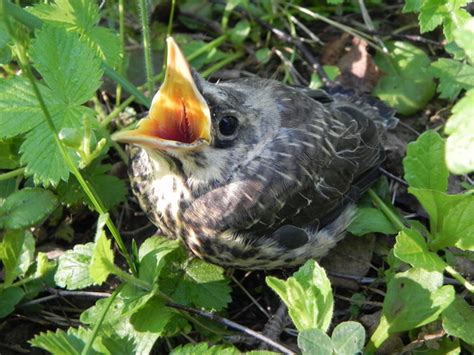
[{"x": 281, "y": 190}]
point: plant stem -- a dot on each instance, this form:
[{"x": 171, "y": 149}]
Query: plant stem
[
  {"x": 144, "y": 18},
  {"x": 171, "y": 19},
  {"x": 120, "y": 67},
  {"x": 125, "y": 276},
  {"x": 394, "y": 218},
  {"x": 222, "y": 64},
  {"x": 12, "y": 174},
  {"x": 97, "y": 325},
  {"x": 450, "y": 270}
]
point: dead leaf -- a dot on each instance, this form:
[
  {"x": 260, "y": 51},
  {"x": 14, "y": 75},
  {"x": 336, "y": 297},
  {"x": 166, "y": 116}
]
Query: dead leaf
[{"x": 334, "y": 49}]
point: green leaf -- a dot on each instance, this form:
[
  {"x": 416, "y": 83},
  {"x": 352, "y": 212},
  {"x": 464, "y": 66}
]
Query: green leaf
[
  {"x": 315, "y": 341},
  {"x": 9, "y": 158},
  {"x": 240, "y": 32},
  {"x": 27, "y": 207},
  {"x": 424, "y": 164},
  {"x": 454, "y": 76},
  {"x": 71, "y": 342},
  {"x": 152, "y": 317},
  {"x": 102, "y": 261},
  {"x": 308, "y": 296},
  {"x": 204, "y": 348},
  {"x": 152, "y": 255},
  {"x": 73, "y": 267},
  {"x": 463, "y": 36},
  {"x": 370, "y": 220},
  {"x": 458, "y": 320},
  {"x": 263, "y": 55},
  {"x": 407, "y": 84},
  {"x": 74, "y": 72},
  {"x": 460, "y": 143},
  {"x": 348, "y": 338},
  {"x": 415, "y": 298},
  {"x": 411, "y": 248},
  {"x": 17, "y": 253},
  {"x": 412, "y": 5},
  {"x": 203, "y": 285},
  {"x": 9, "y": 298}
]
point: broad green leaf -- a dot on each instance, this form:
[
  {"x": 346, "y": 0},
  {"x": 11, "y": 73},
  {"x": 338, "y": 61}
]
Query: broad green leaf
[
  {"x": 152, "y": 317},
  {"x": 74, "y": 72},
  {"x": 9, "y": 158},
  {"x": 202, "y": 285},
  {"x": 82, "y": 17},
  {"x": 407, "y": 85},
  {"x": 152, "y": 256},
  {"x": 16, "y": 253},
  {"x": 412, "y": 5},
  {"x": 308, "y": 296},
  {"x": 460, "y": 143},
  {"x": 458, "y": 320},
  {"x": 102, "y": 261},
  {"x": 454, "y": 76},
  {"x": 205, "y": 348},
  {"x": 60, "y": 342},
  {"x": 463, "y": 36},
  {"x": 9, "y": 298},
  {"x": 26, "y": 208},
  {"x": 415, "y": 298},
  {"x": 315, "y": 342},
  {"x": 348, "y": 338},
  {"x": 370, "y": 220},
  {"x": 424, "y": 164},
  {"x": 411, "y": 248},
  {"x": 240, "y": 31},
  {"x": 73, "y": 267}
]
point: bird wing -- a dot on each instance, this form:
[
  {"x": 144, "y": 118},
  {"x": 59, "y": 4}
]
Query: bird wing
[{"x": 299, "y": 176}]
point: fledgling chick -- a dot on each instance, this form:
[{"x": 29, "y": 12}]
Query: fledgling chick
[{"x": 252, "y": 173}]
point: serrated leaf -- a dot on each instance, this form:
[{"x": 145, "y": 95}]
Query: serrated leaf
[
  {"x": 9, "y": 298},
  {"x": 203, "y": 285},
  {"x": 73, "y": 267},
  {"x": 17, "y": 253},
  {"x": 204, "y": 348},
  {"x": 348, "y": 338},
  {"x": 152, "y": 256},
  {"x": 74, "y": 72},
  {"x": 308, "y": 296},
  {"x": 407, "y": 85},
  {"x": 26, "y": 208},
  {"x": 458, "y": 320},
  {"x": 415, "y": 298},
  {"x": 454, "y": 76},
  {"x": 460, "y": 143},
  {"x": 102, "y": 261},
  {"x": 152, "y": 317},
  {"x": 463, "y": 37},
  {"x": 412, "y": 248},
  {"x": 315, "y": 342},
  {"x": 107, "y": 44},
  {"x": 60, "y": 342},
  {"x": 370, "y": 220},
  {"x": 424, "y": 164}
]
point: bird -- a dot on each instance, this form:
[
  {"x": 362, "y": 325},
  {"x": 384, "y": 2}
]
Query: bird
[{"x": 251, "y": 173}]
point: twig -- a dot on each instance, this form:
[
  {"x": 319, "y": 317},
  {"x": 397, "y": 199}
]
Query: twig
[
  {"x": 59, "y": 294},
  {"x": 254, "y": 301},
  {"x": 369, "y": 24},
  {"x": 231, "y": 324},
  {"x": 393, "y": 177}
]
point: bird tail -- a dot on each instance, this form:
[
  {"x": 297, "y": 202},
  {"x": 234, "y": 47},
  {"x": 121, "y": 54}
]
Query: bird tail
[{"x": 369, "y": 105}]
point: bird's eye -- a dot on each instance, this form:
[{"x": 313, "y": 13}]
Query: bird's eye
[{"x": 228, "y": 125}]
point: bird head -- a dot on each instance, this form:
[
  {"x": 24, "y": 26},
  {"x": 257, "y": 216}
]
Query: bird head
[{"x": 209, "y": 128}]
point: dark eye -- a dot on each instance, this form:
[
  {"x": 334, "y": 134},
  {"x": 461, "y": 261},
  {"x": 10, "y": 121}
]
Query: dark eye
[{"x": 228, "y": 125}]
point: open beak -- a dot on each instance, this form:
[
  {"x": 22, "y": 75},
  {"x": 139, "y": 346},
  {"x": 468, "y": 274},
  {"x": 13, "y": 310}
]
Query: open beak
[{"x": 179, "y": 116}]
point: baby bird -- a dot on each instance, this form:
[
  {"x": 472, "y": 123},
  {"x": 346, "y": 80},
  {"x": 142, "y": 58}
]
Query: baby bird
[{"x": 252, "y": 173}]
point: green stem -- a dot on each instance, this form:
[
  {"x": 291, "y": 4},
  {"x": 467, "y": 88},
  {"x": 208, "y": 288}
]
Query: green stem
[
  {"x": 144, "y": 18},
  {"x": 450, "y": 270},
  {"x": 12, "y": 174},
  {"x": 171, "y": 19},
  {"x": 34, "y": 23},
  {"x": 97, "y": 325},
  {"x": 222, "y": 64},
  {"x": 117, "y": 110},
  {"x": 393, "y": 217},
  {"x": 120, "y": 68},
  {"x": 125, "y": 276}
]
